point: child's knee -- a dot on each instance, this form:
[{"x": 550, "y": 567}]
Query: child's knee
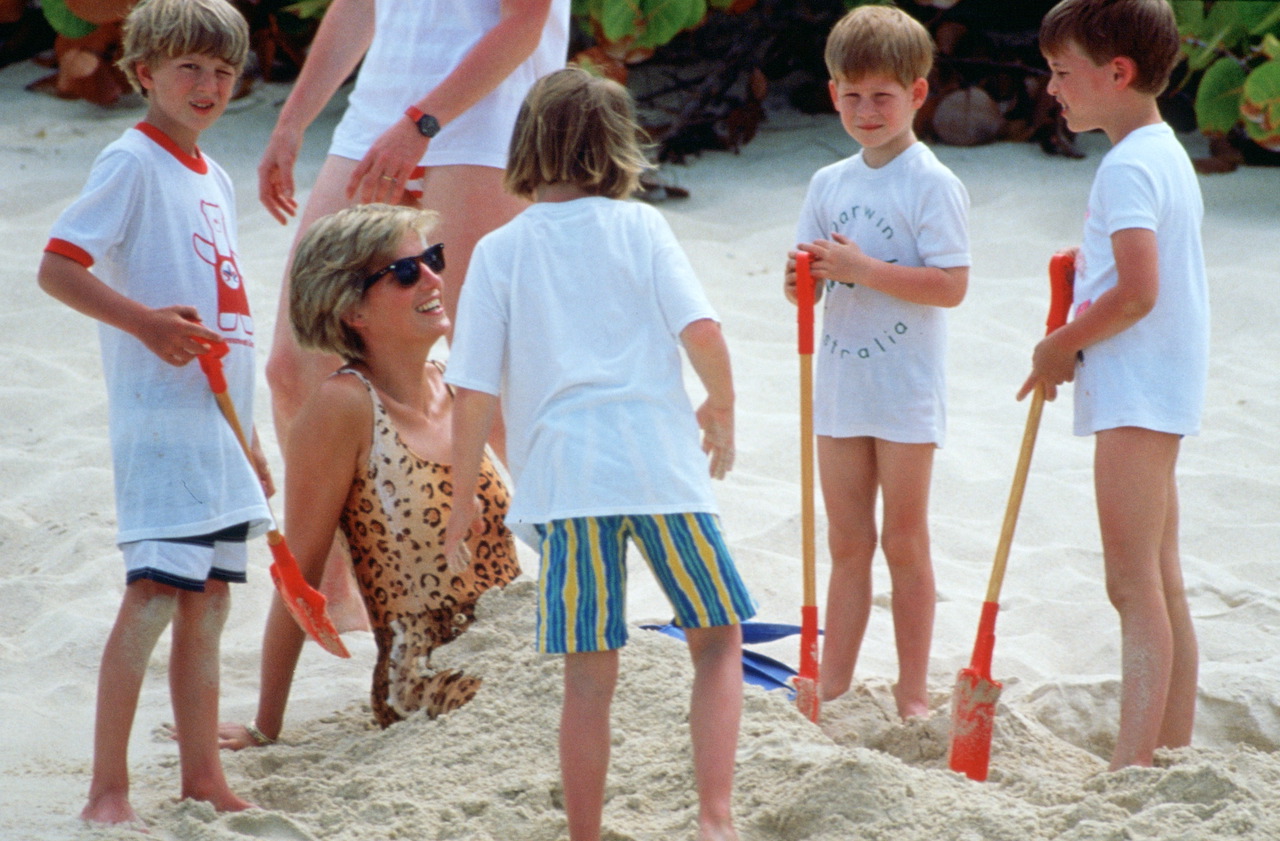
[
  {"x": 905, "y": 547},
  {"x": 852, "y": 542},
  {"x": 714, "y": 642},
  {"x": 590, "y": 673}
]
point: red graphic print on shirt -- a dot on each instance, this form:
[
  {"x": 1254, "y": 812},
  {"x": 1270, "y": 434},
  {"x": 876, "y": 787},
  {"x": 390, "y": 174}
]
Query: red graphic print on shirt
[{"x": 233, "y": 304}]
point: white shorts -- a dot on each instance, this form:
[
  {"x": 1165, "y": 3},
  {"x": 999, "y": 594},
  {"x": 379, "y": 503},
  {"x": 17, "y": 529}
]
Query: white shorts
[{"x": 188, "y": 562}]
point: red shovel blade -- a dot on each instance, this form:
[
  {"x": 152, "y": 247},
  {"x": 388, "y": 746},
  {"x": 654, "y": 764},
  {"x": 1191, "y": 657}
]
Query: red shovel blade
[
  {"x": 305, "y": 603},
  {"x": 806, "y": 682},
  {"x": 973, "y": 714}
]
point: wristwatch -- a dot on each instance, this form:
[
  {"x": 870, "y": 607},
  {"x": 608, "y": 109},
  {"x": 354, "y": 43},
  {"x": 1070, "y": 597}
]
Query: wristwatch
[{"x": 428, "y": 125}]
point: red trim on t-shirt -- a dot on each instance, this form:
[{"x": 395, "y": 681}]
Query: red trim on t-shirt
[
  {"x": 69, "y": 250},
  {"x": 196, "y": 163}
]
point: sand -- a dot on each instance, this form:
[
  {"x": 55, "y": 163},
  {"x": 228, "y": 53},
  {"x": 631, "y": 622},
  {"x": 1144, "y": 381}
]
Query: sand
[{"x": 489, "y": 771}]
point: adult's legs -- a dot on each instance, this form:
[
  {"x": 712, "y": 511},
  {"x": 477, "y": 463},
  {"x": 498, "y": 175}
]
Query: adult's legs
[
  {"x": 715, "y": 709},
  {"x": 589, "y": 680},
  {"x": 1132, "y": 470},
  {"x": 847, "y": 473},
  {"x": 905, "y": 471},
  {"x": 471, "y": 202},
  {"x": 193, "y": 686},
  {"x": 144, "y": 613}
]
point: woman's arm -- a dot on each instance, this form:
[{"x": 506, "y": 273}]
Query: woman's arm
[
  {"x": 342, "y": 39},
  {"x": 330, "y": 436},
  {"x": 498, "y": 52}
]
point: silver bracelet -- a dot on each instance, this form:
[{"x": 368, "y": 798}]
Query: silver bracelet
[{"x": 259, "y": 738}]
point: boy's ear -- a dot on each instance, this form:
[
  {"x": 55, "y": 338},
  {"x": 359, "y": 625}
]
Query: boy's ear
[
  {"x": 835, "y": 96},
  {"x": 143, "y": 71},
  {"x": 919, "y": 92},
  {"x": 1123, "y": 71}
]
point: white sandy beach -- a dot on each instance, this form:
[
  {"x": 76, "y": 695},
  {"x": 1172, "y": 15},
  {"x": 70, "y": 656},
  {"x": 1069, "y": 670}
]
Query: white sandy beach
[{"x": 489, "y": 771}]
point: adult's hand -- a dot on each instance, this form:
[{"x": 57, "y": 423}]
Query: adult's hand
[
  {"x": 385, "y": 169},
  {"x": 275, "y": 173}
]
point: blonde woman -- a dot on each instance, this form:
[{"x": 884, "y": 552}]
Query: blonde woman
[{"x": 370, "y": 458}]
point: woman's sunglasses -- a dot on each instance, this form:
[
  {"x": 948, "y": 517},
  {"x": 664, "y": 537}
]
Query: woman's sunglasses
[{"x": 406, "y": 268}]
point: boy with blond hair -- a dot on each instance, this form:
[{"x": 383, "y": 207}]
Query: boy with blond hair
[
  {"x": 887, "y": 232},
  {"x": 1137, "y": 347},
  {"x": 156, "y": 223}
]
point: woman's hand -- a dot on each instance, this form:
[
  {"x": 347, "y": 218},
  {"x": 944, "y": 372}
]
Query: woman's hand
[{"x": 235, "y": 736}]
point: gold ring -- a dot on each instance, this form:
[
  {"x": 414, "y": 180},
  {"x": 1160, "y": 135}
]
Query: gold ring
[{"x": 388, "y": 177}]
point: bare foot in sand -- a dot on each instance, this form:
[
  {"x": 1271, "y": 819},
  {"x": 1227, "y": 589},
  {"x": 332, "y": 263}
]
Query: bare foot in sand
[
  {"x": 221, "y": 798},
  {"x": 112, "y": 808},
  {"x": 909, "y": 708},
  {"x": 719, "y": 832}
]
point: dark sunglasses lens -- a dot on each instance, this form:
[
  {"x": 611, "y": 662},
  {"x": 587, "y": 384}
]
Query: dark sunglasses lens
[
  {"x": 406, "y": 271},
  {"x": 434, "y": 257}
]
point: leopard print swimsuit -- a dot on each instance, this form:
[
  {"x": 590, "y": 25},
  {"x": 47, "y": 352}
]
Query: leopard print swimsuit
[{"x": 394, "y": 520}]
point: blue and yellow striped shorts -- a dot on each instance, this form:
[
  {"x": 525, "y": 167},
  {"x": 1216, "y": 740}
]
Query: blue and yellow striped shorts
[{"x": 583, "y": 583}]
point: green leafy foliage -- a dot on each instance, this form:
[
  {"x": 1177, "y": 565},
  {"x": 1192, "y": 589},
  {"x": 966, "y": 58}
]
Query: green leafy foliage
[
  {"x": 1218, "y": 97},
  {"x": 644, "y": 24},
  {"x": 308, "y": 9},
  {"x": 1236, "y": 48}
]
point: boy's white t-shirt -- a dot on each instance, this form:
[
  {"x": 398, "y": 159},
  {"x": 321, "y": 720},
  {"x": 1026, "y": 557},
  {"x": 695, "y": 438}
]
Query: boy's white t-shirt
[
  {"x": 572, "y": 313},
  {"x": 1153, "y": 374},
  {"x": 158, "y": 226},
  {"x": 418, "y": 44},
  {"x": 881, "y": 361}
]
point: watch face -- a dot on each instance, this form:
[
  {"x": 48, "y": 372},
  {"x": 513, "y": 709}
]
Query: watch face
[{"x": 428, "y": 125}]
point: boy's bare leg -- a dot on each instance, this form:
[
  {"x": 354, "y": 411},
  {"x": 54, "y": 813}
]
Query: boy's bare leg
[
  {"x": 715, "y": 710},
  {"x": 589, "y": 681},
  {"x": 847, "y": 469},
  {"x": 144, "y": 613},
  {"x": 193, "y": 685},
  {"x": 1132, "y": 470},
  {"x": 905, "y": 472},
  {"x": 1180, "y": 708}
]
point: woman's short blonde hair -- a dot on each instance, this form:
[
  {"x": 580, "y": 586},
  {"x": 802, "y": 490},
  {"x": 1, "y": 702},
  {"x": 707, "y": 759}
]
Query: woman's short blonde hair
[
  {"x": 576, "y": 128},
  {"x": 332, "y": 260},
  {"x": 879, "y": 39},
  {"x": 156, "y": 29}
]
